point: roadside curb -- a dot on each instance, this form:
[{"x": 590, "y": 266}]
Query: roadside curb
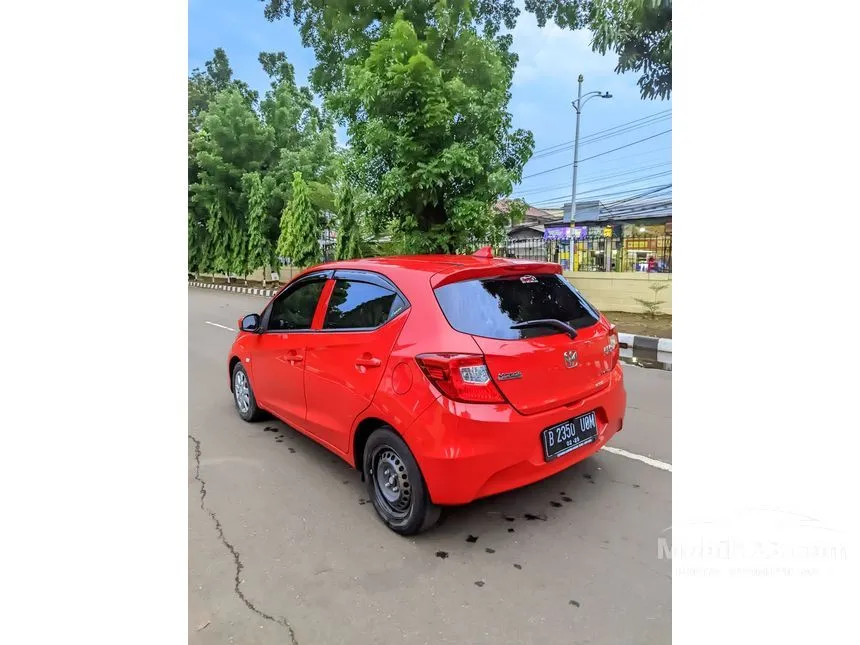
[
  {"x": 251, "y": 291},
  {"x": 645, "y": 342}
]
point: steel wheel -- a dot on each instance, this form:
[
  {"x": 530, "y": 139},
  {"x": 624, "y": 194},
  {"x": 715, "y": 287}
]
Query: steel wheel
[
  {"x": 242, "y": 391},
  {"x": 391, "y": 481},
  {"x": 395, "y": 484}
]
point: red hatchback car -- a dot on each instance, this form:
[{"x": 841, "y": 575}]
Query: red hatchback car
[{"x": 441, "y": 378}]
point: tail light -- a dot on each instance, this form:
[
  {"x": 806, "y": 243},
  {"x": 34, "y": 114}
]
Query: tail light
[
  {"x": 461, "y": 377},
  {"x": 612, "y": 347}
]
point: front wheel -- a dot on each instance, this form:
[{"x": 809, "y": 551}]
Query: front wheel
[
  {"x": 395, "y": 484},
  {"x": 243, "y": 395}
]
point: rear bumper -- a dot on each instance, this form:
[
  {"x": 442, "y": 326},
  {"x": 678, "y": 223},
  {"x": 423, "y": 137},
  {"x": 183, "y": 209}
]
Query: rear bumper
[{"x": 467, "y": 451}]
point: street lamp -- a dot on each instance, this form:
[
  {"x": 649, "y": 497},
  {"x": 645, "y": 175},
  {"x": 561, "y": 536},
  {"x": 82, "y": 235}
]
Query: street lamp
[{"x": 578, "y": 104}]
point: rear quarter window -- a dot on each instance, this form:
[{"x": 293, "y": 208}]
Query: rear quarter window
[{"x": 488, "y": 307}]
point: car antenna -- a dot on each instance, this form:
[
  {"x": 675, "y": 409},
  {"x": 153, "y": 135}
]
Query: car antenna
[{"x": 484, "y": 252}]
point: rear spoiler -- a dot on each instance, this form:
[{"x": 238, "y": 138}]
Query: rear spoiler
[{"x": 509, "y": 268}]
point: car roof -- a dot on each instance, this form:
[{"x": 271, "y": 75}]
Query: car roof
[
  {"x": 412, "y": 273},
  {"x": 429, "y": 264}
]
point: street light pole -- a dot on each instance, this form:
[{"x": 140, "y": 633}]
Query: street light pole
[{"x": 577, "y": 105}]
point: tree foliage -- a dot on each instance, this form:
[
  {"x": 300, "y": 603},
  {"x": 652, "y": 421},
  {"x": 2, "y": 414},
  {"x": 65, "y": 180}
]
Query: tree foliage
[
  {"x": 261, "y": 250},
  {"x": 230, "y": 143},
  {"x": 423, "y": 88},
  {"x": 300, "y": 227},
  {"x": 242, "y": 155},
  {"x": 349, "y": 230},
  {"x": 341, "y": 32},
  {"x": 204, "y": 85},
  {"x": 303, "y": 138},
  {"x": 639, "y": 32}
]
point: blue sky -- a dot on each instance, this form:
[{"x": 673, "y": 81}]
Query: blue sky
[{"x": 544, "y": 85}]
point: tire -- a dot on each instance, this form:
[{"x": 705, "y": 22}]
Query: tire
[
  {"x": 403, "y": 504},
  {"x": 243, "y": 395}
]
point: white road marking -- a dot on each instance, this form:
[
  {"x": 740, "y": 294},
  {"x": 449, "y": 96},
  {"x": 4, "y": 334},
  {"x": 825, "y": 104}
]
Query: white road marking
[
  {"x": 221, "y": 326},
  {"x": 662, "y": 465}
]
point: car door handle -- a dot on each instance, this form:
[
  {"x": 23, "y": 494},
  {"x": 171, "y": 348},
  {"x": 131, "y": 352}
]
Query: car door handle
[{"x": 367, "y": 362}]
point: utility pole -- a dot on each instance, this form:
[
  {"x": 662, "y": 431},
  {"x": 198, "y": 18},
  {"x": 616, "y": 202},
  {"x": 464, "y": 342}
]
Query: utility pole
[{"x": 578, "y": 105}]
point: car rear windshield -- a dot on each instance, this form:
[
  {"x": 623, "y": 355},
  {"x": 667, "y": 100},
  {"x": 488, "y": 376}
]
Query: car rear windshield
[{"x": 490, "y": 306}]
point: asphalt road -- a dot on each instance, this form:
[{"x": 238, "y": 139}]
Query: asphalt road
[{"x": 284, "y": 548}]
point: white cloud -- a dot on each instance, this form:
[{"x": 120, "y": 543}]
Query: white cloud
[{"x": 550, "y": 53}]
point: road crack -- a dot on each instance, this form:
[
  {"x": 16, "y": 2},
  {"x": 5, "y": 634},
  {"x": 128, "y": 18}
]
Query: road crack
[{"x": 237, "y": 581}]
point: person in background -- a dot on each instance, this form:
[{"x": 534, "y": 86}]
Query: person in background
[{"x": 651, "y": 263}]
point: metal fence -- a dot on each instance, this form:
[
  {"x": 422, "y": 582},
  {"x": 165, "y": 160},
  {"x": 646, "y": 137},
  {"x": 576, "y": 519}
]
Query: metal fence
[
  {"x": 327, "y": 243},
  {"x": 651, "y": 253},
  {"x": 622, "y": 254}
]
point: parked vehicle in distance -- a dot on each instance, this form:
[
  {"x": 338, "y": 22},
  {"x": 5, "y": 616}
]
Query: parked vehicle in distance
[{"x": 441, "y": 378}]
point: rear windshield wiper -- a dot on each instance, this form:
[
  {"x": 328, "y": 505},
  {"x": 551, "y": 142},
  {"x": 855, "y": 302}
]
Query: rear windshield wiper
[{"x": 547, "y": 322}]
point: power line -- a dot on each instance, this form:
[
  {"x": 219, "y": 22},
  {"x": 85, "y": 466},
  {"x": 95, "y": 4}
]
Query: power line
[
  {"x": 543, "y": 189},
  {"x": 629, "y": 182},
  {"x": 615, "y": 127},
  {"x": 555, "y": 200},
  {"x": 633, "y": 181},
  {"x": 600, "y": 154},
  {"x": 645, "y": 194},
  {"x": 615, "y": 160},
  {"x": 638, "y": 154},
  {"x": 591, "y": 140},
  {"x": 595, "y": 139}
]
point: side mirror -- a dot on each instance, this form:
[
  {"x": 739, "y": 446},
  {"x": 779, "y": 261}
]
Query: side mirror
[{"x": 251, "y": 323}]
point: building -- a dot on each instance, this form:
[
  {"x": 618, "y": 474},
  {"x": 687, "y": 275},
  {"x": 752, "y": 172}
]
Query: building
[
  {"x": 532, "y": 226},
  {"x": 653, "y": 216},
  {"x": 620, "y": 236}
]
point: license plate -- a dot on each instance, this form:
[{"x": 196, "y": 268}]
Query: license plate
[{"x": 570, "y": 435}]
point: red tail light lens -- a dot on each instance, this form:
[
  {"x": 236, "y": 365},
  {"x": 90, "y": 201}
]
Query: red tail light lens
[
  {"x": 613, "y": 348},
  {"x": 461, "y": 377}
]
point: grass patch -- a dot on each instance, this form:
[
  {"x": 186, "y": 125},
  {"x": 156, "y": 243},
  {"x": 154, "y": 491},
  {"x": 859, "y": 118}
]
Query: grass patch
[{"x": 641, "y": 324}]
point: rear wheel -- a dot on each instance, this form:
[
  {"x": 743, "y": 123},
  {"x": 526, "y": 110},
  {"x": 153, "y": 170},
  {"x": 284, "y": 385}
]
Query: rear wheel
[
  {"x": 243, "y": 395},
  {"x": 395, "y": 484}
]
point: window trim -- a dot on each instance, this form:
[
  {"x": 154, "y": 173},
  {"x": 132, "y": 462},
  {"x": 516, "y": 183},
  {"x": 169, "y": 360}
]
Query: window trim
[
  {"x": 367, "y": 277},
  {"x": 316, "y": 276}
]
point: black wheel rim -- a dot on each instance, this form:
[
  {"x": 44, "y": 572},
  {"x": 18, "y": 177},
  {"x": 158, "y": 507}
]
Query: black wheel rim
[{"x": 391, "y": 484}]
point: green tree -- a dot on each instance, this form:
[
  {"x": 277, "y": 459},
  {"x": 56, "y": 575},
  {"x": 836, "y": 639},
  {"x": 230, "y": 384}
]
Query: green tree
[
  {"x": 341, "y": 32},
  {"x": 230, "y": 143},
  {"x": 303, "y": 138},
  {"x": 261, "y": 250},
  {"x": 282, "y": 248},
  {"x": 430, "y": 130},
  {"x": 349, "y": 231},
  {"x": 424, "y": 91},
  {"x": 203, "y": 85},
  {"x": 300, "y": 228},
  {"x": 639, "y": 32},
  {"x": 198, "y": 241}
]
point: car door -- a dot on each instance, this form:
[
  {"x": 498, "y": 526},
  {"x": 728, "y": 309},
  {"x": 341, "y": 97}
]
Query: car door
[
  {"x": 278, "y": 357},
  {"x": 346, "y": 358}
]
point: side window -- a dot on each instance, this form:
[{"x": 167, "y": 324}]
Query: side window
[
  {"x": 359, "y": 305},
  {"x": 295, "y": 309}
]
